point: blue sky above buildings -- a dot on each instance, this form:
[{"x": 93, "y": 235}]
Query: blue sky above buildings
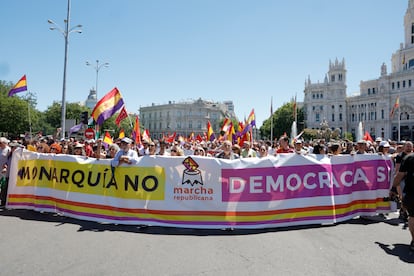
[{"x": 166, "y": 50}]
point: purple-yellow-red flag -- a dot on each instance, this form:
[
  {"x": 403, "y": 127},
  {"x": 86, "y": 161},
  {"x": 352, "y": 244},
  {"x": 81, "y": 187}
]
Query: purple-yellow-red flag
[
  {"x": 107, "y": 106},
  {"x": 252, "y": 118},
  {"x": 20, "y": 86}
]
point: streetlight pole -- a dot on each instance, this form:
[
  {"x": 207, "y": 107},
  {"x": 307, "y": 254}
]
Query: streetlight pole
[
  {"x": 65, "y": 34},
  {"x": 97, "y": 67}
]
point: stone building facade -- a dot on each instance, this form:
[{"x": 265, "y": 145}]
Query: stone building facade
[
  {"x": 185, "y": 117},
  {"x": 328, "y": 101}
]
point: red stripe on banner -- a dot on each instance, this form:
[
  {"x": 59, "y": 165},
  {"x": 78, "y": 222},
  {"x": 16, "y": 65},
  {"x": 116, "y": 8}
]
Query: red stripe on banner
[{"x": 198, "y": 213}]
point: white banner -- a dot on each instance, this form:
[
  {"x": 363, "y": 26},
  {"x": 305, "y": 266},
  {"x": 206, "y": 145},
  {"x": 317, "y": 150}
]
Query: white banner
[{"x": 203, "y": 192}]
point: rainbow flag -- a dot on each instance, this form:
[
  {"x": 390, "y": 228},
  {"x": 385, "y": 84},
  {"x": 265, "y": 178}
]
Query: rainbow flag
[
  {"x": 20, "y": 86},
  {"x": 107, "y": 106}
]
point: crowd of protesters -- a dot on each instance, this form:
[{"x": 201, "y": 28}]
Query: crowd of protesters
[{"x": 125, "y": 151}]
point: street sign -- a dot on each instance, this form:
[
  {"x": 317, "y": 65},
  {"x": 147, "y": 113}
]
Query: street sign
[{"x": 89, "y": 133}]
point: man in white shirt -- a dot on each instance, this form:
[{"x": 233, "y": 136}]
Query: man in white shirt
[
  {"x": 4, "y": 151},
  {"x": 125, "y": 155}
]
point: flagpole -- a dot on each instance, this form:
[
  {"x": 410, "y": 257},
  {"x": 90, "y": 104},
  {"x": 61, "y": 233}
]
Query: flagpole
[
  {"x": 130, "y": 122},
  {"x": 30, "y": 118},
  {"x": 271, "y": 120},
  {"x": 296, "y": 110},
  {"x": 399, "y": 121}
]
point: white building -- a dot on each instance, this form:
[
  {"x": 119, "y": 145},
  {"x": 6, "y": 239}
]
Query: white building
[
  {"x": 372, "y": 107},
  {"x": 92, "y": 99},
  {"x": 185, "y": 117}
]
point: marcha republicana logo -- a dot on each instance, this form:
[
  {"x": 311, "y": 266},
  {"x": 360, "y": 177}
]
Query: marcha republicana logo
[{"x": 191, "y": 175}]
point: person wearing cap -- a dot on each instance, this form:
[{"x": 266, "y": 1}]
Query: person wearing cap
[
  {"x": 78, "y": 149},
  {"x": 361, "y": 147},
  {"x": 125, "y": 155},
  {"x": 384, "y": 148},
  {"x": 299, "y": 147},
  {"x": 143, "y": 149}
]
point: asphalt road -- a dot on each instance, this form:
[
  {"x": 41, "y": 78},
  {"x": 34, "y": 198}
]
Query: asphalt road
[{"x": 32, "y": 243}]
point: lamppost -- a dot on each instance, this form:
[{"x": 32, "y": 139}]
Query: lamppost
[
  {"x": 65, "y": 34},
  {"x": 97, "y": 67}
]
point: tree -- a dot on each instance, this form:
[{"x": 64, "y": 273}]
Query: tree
[
  {"x": 282, "y": 121},
  {"x": 15, "y": 112}
]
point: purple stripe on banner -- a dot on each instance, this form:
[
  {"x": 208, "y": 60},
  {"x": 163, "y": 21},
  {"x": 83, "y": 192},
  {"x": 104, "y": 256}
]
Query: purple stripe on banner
[{"x": 286, "y": 221}]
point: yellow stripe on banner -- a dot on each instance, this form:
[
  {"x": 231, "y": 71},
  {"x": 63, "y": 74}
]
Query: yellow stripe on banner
[
  {"x": 147, "y": 183},
  {"x": 288, "y": 214}
]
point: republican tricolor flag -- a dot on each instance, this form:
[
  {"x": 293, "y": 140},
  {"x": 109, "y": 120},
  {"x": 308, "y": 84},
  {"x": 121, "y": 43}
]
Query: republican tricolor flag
[
  {"x": 107, "y": 106},
  {"x": 251, "y": 120},
  {"x": 20, "y": 86}
]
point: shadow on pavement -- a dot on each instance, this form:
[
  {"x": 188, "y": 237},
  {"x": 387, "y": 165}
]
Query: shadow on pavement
[
  {"x": 155, "y": 230},
  {"x": 402, "y": 251},
  {"x": 161, "y": 230}
]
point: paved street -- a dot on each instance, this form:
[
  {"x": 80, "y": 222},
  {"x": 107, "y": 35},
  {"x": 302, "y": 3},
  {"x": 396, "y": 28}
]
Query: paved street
[{"x": 44, "y": 244}]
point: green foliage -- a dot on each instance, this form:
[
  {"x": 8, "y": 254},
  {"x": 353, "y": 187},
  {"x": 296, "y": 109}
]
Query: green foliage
[
  {"x": 348, "y": 136},
  {"x": 282, "y": 122}
]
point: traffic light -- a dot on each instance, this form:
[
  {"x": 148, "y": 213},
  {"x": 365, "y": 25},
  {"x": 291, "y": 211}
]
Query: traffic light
[{"x": 84, "y": 117}]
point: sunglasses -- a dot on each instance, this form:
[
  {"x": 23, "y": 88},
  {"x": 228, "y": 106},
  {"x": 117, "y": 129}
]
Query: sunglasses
[
  {"x": 152, "y": 145},
  {"x": 173, "y": 150}
]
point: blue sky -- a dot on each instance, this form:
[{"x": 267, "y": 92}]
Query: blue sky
[{"x": 162, "y": 50}]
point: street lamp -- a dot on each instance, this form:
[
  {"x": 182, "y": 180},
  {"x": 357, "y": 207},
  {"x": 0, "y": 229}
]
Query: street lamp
[
  {"x": 65, "y": 34},
  {"x": 97, "y": 67}
]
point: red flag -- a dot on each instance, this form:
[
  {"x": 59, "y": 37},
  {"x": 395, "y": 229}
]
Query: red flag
[
  {"x": 136, "y": 133},
  {"x": 122, "y": 115},
  {"x": 170, "y": 138},
  {"x": 199, "y": 138},
  {"x": 367, "y": 137}
]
